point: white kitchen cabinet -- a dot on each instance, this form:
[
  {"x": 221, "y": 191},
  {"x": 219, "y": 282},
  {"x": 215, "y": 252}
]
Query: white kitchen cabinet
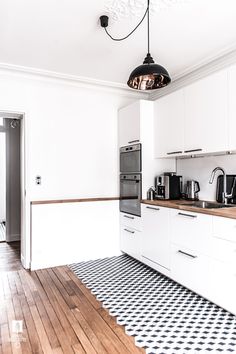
[
  {"x": 232, "y": 107},
  {"x": 191, "y": 230},
  {"x": 222, "y": 285},
  {"x": 129, "y": 124},
  {"x": 169, "y": 125},
  {"x": 132, "y": 221},
  {"x": 224, "y": 228},
  {"x": 190, "y": 268},
  {"x": 155, "y": 238},
  {"x": 206, "y": 103},
  {"x": 130, "y": 241}
]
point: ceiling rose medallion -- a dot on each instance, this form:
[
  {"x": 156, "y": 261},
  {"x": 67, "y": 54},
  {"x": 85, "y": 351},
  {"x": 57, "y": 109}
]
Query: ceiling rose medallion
[{"x": 118, "y": 9}]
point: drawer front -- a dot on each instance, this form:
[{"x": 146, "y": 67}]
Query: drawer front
[
  {"x": 191, "y": 230},
  {"x": 190, "y": 269},
  {"x": 130, "y": 241},
  {"x": 224, "y": 228},
  {"x": 131, "y": 221},
  {"x": 224, "y": 251}
]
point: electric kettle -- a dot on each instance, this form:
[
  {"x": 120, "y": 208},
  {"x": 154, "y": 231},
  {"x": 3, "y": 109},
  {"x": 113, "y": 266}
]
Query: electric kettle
[{"x": 192, "y": 189}]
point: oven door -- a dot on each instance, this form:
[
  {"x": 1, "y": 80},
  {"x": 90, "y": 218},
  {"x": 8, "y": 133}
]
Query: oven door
[
  {"x": 130, "y": 159},
  {"x": 130, "y": 194}
]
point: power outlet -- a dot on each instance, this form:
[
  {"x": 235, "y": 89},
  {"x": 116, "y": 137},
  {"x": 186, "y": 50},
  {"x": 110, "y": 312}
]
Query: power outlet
[{"x": 38, "y": 180}]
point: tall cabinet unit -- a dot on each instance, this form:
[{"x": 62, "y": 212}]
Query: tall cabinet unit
[{"x": 136, "y": 125}]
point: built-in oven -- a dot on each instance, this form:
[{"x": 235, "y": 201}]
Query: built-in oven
[
  {"x": 131, "y": 193},
  {"x": 130, "y": 159}
]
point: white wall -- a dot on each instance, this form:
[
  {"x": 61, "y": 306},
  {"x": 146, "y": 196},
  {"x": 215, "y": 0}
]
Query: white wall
[
  {"x": 74, "y": 232},
  {"x": 2, "y": 176},
  {"x": 71, "y": 137},
  {"x": 200, "y": 169}
]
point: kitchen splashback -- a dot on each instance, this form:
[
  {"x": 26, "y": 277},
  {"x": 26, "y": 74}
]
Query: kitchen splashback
[{"x": 200, "y": 169}]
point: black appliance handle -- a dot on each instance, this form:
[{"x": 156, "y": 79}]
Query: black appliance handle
[
  {"x": 186, "y": 254},
  {"x": 194, "y": 150},
  {"x": 131, "y": 232},
  {"x": 198, "y": 187},
  {"x": 174, "y": 152},
  {"x": 153, "y": 208},
  {"x": 188, "y": 215},
  {"x": 133, "y": 141}
]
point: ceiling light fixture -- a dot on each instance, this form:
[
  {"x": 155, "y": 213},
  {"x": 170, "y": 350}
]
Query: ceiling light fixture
[{"x": 148, "y": 76}]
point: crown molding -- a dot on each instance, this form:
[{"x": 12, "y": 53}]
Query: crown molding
[
  {"x": 222, "y": 60},
  {"x": 80, "y": 81}
]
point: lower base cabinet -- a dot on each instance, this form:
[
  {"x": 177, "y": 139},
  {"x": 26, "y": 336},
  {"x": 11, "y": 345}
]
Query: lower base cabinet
[
  {"x": 189, "y": 248},
  {"x": 190, "y": 269},
  {"x": 130, "y": 241},
  {"x": 155, "y": 238}
]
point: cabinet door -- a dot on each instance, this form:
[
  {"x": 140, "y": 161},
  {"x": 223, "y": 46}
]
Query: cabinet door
[
  {"x": 129, "y": 124},
  {"x": 169, "y": 125},
  {"x": 130, "y": 241},
  {"x": 191, "y": 230},
  {"x": 206, "y": 128},
  {"x": 155, "y": 239},
  {"x": 232, "y": 107},
  {"x": 190, "y": 269}
]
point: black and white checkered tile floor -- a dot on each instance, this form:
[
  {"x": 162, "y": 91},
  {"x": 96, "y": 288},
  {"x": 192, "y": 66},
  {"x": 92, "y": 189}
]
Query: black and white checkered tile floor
[{"x": 163, "y": 316}]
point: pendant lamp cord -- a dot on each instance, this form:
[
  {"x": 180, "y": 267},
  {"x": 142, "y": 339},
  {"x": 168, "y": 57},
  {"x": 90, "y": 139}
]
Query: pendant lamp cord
[
  {"x": 148, "y": 23},
  {"x": 128, "y": 35}
]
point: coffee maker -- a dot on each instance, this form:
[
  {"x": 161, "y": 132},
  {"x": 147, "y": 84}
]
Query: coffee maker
[{"x": 168, "y": 186}]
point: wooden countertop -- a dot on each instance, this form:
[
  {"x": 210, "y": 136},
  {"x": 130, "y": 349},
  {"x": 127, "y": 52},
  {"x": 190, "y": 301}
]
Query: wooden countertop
[
  {"x": 84, "y": 200},
  {"x": 178, "y": 204}
]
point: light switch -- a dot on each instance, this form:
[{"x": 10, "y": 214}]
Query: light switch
[{"x": 38, "y": 180}]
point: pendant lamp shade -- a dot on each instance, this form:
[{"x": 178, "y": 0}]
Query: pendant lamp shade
[{"x": 149, "y": 76}]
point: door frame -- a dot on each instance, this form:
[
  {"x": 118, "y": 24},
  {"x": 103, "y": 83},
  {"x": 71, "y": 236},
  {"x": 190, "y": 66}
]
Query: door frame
[{"x": 25, "y": 205}]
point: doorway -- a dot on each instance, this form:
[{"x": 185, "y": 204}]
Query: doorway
[{"x": 10, "y": 181}]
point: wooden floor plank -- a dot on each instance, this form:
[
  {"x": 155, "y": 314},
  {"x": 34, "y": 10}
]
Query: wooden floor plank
[{"x": 59, "y": 314}]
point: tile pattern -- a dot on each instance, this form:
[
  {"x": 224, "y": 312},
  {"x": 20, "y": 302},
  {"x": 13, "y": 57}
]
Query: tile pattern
[{"x": 163, "y": 316}]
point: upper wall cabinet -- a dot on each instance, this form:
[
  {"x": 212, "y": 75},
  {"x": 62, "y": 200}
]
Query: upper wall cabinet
[
  {"x": 205, "y": 127},
  {"x": 232, "y": 107},
  {"x": 168, "y": 125},
  {"x": 194, "y": 120},
  {"x": 129, "y": 124}
]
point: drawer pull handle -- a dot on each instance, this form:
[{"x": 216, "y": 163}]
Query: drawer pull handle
[
  {"x": 194, "y": 150},
  {"x": 131, "y": 232},
  {"x": 174, "y": 152},
  {"x": 129, "y": 217},
  {"x": 188, "y": 215},
  {"x": 153, "y": 208},
  {"x": 133, "y": 141},
  {"x": 187, "y": 254}
]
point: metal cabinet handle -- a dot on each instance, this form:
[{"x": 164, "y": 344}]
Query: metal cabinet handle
[
  {"x": 194, "y": 150},
  {"x": 153, "y": 208},
  {"x": 188, "y": 215},
  {"x": 186, "y": 254},
  {"x": 129, "y": 217},
  {"x": 174, "y": 152},
  {"x": 133, "y": 141},
  {"x": 131, "y": 232}
]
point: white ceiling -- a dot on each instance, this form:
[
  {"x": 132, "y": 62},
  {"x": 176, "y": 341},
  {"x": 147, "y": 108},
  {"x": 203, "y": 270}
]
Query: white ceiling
[{"x": 64, "y": 36}]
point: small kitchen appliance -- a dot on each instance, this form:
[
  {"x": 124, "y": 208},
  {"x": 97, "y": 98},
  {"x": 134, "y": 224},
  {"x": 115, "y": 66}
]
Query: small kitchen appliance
[
  {"x": 168, "y": 186},
  {"x": 192, "y": 189}
]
